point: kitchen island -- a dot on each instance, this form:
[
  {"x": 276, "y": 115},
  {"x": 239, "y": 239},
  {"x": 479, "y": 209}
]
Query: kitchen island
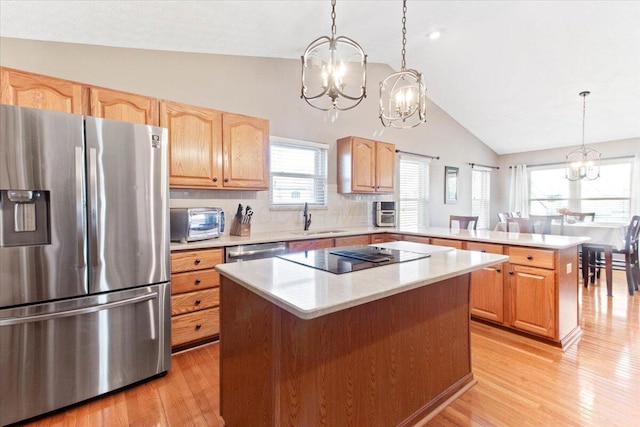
[{"x": 383, "y": 346}]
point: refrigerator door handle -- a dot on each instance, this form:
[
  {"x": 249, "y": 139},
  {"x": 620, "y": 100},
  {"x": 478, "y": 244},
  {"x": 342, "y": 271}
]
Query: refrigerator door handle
[
  {"x": 80, "y": 218},
  {"x": 93, "y": 207},
  {"x": 78, "y": 311}
]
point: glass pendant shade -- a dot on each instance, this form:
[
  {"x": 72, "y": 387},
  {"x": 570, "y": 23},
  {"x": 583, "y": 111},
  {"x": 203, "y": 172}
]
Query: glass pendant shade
[
  {"x": 403, "y": 100},
  {"x": 583, "y": 163},
  {"x": 403, "y": 96},
  {"x": 334, "y": 72}
]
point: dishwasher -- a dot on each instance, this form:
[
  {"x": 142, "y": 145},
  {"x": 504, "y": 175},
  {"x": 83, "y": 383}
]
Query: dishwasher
[{"x": 254, "y": 251}]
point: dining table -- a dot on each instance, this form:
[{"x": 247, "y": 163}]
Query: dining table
[{"x": 609, "y": 235}]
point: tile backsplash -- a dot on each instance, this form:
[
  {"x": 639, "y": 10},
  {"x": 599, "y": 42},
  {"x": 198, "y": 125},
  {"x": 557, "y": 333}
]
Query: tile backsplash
[{"x": 342, "y": 210}]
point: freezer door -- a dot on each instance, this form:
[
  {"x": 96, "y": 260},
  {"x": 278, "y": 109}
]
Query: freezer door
[
  {"x": 42, "y": 214},
  {"x": 66, "y": 352},
  {"x": 128, "y": 204}
]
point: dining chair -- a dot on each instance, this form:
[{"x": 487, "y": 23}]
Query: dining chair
[
  {"x": 630, "y": 252},
  {"x": 545, "y": 222},
  {"x": 502, "y": 216},
  {"x": 523, "y": 225},
  {"x": 464, "y": 221},
  {"x": 570, "y": 217}
]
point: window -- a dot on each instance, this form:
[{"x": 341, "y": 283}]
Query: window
[
  {"x": 609, "y": 196},
  {"x": 413, "y": 203},
  {"x": 480, "y": 191},
  {"x": 298, "y": 173}
]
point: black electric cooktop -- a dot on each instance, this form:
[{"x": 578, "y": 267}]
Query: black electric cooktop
[{"x": 351, "y": 258}]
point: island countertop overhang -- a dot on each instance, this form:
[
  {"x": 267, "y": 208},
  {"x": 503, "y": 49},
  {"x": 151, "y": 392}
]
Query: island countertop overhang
[{"x": 310, "y": 293}]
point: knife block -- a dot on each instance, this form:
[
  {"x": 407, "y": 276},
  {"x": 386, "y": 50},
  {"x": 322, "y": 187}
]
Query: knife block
[{"x": 240, "y": 229}]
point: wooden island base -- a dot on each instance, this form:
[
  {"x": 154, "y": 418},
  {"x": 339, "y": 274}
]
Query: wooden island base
[{"x": 394, "y": 361}]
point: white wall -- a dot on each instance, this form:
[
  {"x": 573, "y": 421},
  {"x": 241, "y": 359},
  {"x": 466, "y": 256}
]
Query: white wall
[{"x": 268, "y": 88}]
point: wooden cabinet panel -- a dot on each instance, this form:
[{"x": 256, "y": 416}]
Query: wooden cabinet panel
[
  {"x": 307, "y": 245},
  {"x": 195, "y": 326},
  {"x": 446, "y": 242},
  {"x": 365, "y": 166},
  {"x": 385, "y": 167},
  {"x": 490, "y": 248},
  {"x": 195, "y": 145},
  {"x": 385, "y": 237},
  {"x": 195, "y": 260},
  {"x": 352, "y": 240},
  {"x": 245, "y": 145},
  {"x": 194, "y": 280},
  {"x": 416, "y": 239},
  {"x": 487, "y": 297},
  {"x": 129, "y": 107},
  {"x": 194, "y": 301},
  {"x": 542, "y": 258},
  {"x": 37, "y": 91},
  {"x": 532, "y": 300}
]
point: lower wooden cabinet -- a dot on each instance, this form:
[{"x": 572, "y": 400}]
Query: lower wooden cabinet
[
  {"x": 195, "y": 297},
  {"x": 364, "y": 239},
  {"x": 386, "y": 237},
  {"x": 487, "y": 294},
  {"x": 447, "y": 242},
  {"x": 532, "y": 300}
]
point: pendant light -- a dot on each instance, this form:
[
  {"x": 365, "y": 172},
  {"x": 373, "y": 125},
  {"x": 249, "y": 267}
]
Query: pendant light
[
  {"x": 403, "y": 96},
  {"x": 583, "y": 163},
  {"x": 334, "y": 71}
]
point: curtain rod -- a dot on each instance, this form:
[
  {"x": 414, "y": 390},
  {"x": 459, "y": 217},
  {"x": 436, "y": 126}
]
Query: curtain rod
[
  {"x": 420, "y": 155},
  {"x": 484, "y": 166},
  {"x": 562, "y": 163}
]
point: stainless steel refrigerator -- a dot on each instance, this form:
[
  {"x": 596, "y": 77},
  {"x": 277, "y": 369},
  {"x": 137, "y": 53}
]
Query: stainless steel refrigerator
[{"x": 84, "y": 258}]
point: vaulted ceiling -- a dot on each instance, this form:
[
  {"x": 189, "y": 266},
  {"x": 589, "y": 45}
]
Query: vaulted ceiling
[{"x": 508, "y": 71}]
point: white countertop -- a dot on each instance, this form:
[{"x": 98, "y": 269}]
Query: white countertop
[
  {"x": 309, "y": 293},
  {"x": 487, "y": 236}
]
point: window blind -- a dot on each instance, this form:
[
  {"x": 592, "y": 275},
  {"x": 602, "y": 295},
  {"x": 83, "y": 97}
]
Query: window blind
[
  {"x": 413, "y": 203},
  {"x": 298, "y": 173},
  {"x": 481, "y": 192}
]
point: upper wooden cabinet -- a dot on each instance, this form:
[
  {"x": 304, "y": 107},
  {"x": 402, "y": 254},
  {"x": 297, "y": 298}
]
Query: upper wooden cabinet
[
  {"x": 365, "y": 166},
  {"x": 38, "y": 91},
  {"x": 195, "y": 145},
  {"x": 129, "y": 107},
  {"x": 212, "y": 149},
  {"x": 245, "y": 152}
]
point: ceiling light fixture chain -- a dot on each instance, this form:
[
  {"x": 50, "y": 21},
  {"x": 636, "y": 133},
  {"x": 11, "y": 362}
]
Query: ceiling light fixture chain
[
  {"x": 583, "y": 162},
  {"x": 334, "y": 72},
  {"x": 403, "y": 96}
]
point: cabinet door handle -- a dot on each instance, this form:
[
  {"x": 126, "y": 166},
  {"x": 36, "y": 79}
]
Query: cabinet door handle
[
  {"x": 197, "y": 261},
  {"x": 483, "y": 250},
  {"x": 529, "y": 257},
  {"x": 226, "y": 180},
  {"x": 198, "y": 326},
  {"x": 511, "y": 272},
  {"x": 498, "y": 270},
  {"x": 198, "y": 302},
  {"x": 215, "y": 179},
  {"x": 198, "y": 281}
]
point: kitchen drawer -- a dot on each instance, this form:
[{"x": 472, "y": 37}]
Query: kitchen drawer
[
  {"x": 195, "y": 326},
  {"x": 193, "y": 301},
  {"x": 416, "y": 239},
  {"x": 195, "y": 260},
  {"x": 446, "y": 242},
  {"x": 194, "y": 281},
  {"x": 385, "y": 237},
  {"x": 533, "y": 257},
  {"x": 307, "y": 245},
  {"x": 353, "y": 240},
  {"x": 485, "y": 247}
]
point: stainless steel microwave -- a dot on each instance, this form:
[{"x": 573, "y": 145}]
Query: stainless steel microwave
[{"x": 189, "y": 224}]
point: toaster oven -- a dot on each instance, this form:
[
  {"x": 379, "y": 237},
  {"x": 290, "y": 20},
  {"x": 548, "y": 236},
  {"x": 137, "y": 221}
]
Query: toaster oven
[{"x": 190, "y": 224}]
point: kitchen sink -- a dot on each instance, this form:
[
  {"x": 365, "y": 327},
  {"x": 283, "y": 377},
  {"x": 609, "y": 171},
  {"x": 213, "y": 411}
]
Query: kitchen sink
[{"x": 317, "y": 233}]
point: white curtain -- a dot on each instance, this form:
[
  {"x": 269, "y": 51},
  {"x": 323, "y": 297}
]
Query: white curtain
[
  {"x": 635, "y": 186},
  {"x": 519, "y": 190}
]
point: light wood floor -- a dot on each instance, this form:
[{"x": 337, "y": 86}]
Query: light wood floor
[{"x": 521, "y": 382}]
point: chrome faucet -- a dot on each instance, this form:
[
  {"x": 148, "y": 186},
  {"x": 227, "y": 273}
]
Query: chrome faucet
[{"x": 307, "y": 217}]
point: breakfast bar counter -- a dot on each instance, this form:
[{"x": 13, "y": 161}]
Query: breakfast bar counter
[{"x": 384, "y": 346}]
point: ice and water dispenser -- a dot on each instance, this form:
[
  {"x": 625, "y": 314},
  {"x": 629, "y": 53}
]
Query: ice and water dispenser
[{"x": 24, "y": 218}]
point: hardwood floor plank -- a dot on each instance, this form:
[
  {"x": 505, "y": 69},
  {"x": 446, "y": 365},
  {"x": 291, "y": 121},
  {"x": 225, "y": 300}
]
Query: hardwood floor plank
[{"x": 521, "y": 381}]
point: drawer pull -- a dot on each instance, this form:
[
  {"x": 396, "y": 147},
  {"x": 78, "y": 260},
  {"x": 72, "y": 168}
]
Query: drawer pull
[
  {"x": 198, "y": 281},
  {"x": 215, "y": 179},
  {"x": 197, "y": 261},
  {"x": 226, "y": 180},
  {"x": 498, "y": 270},
  {"x": 482, "y": 250},
  {"x": 529, "y": 257},
  {"x": 198, "y": 301},
  {"x": 198, "y": 326}
]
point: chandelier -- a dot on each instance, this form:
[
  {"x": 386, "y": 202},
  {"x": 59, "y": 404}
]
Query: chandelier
[
  {"x": 403, "y": 95},
  {"x": 583, "y": 163},
  {"x": 334, "y": 71}
]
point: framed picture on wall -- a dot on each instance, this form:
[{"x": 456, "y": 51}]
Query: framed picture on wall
[{"x": 450, "y": 185}]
